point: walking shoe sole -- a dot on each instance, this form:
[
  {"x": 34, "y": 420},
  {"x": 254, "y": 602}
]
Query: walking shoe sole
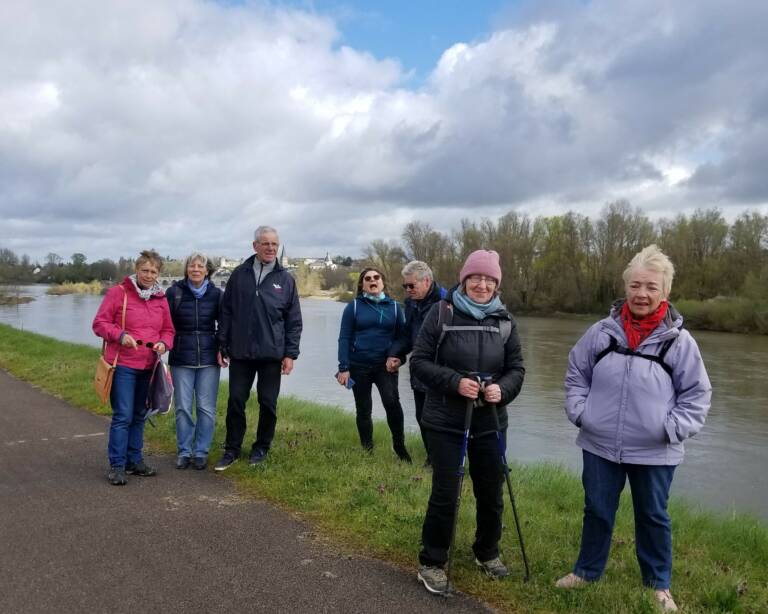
[
  {"x": 434, "y": 591},
  {"x": 225, "y": 467}
]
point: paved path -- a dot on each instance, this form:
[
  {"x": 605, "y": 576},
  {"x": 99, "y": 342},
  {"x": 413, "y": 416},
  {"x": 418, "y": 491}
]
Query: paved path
[{"x": 183, "y": 541}]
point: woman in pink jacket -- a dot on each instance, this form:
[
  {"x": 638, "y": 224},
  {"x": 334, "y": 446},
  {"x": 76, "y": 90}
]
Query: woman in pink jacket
[{"x": 147, "y": 334}]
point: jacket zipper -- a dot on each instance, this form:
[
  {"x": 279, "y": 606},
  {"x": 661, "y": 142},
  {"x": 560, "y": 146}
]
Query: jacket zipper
[{"x": 197, "y": 330}]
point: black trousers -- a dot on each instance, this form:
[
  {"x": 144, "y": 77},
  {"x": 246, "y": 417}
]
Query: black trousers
[
  {"x": 419, "y": 398},
  {"x": 241, "y": 376},
  {"x": 365, "y": 378},
  {"x": 487, "y": 475}
]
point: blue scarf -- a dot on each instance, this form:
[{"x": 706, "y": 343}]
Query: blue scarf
[
  {"x": 479, "y": 311},
  {"x": 376, "y": 298},
  {"x": 198, "y": 292}
]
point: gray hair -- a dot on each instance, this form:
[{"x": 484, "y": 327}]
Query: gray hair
[
  {"x": 204, "y": 260},
  {"x": 653, "y": 259},
  {"x": 262, "y": 230},
  {"x": 418, "y": 268}
]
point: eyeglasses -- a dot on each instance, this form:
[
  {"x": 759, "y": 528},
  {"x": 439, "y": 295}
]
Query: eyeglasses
[
  {"x": 149, "y": 344},
  {"x": 477, "y": 279},
  {"x": 409, "y": 286},
  {"x": 372, "y": 278}
]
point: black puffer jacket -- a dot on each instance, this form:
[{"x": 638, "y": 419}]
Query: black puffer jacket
[
  {"x": 463, "y": 352},
  {"x": 196, "y": 321}
]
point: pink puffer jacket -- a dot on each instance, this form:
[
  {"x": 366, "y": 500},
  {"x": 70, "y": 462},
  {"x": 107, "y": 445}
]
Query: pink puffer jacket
[{"x": 144, "y": 320}]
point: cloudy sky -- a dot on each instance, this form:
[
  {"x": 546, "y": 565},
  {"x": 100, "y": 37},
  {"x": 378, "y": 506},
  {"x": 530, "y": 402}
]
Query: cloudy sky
[{"x": 183, "y": 124}]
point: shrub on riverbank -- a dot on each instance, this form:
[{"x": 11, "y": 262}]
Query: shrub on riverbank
[
  {"x": 91, "y": 287},
  {"x": 376, "y": 504},
  {"x": 731, "y": 315}
]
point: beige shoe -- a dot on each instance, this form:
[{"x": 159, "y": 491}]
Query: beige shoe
[
  {"x": 664, "y": 597},
  {"x": 571, "y": 581}
]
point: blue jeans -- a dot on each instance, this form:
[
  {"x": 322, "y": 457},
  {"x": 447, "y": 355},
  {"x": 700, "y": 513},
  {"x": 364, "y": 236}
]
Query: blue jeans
[
  {"x": 202, "y": 386},
  {"x": 129, "y": 408},
  {"x": 603, "y": 482}
]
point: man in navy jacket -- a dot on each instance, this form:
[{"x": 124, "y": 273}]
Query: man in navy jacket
[
  {"x": 421, "y": 293},
  {"x": 259, "y": 337}
]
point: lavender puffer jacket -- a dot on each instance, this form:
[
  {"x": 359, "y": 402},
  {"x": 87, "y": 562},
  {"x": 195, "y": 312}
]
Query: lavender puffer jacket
[{"x": 628, "y": 408}]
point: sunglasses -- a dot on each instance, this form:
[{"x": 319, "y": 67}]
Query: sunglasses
[
  {"x": 372, "y": 278},
  {"x": 149, "y": 344},
  {"x": 409, "y": 286}
]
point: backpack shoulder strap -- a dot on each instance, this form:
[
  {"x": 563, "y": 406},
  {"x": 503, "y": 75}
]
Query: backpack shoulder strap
[
  {"x": 505, "y": 328},
  {"x": 610, "y": 348},
  {"x": 444, "y": 320}
]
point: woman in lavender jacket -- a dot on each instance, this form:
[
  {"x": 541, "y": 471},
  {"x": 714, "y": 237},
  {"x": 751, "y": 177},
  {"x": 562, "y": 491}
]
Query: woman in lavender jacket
[{"x": 636, "y": 387}]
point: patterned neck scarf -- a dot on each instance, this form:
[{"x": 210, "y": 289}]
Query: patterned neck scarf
[{"x": 149, "y": 292}]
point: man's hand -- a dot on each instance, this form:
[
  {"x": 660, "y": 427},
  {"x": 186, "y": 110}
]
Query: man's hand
[
  {"x": 287, "y": 366},
  {"x": 393, "y": 364},
  {"x": 223, "y": 362}
]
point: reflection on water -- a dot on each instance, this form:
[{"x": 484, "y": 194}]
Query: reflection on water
[{"x": 725, "y": 464}]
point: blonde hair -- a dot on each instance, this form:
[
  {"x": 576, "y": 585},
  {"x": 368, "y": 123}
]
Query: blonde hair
[
  {"x": 150, "y": 255},
  {"x": 653, "y": 259}
]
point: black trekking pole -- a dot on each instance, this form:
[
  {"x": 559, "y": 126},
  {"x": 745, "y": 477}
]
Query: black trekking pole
[
  {"x": 460, "y": 473},
  {"x": 503, "y": 454}
]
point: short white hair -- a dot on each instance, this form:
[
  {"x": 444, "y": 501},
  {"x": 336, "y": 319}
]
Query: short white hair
[
  {"x": 203, "y": 259},
  {"x": 262, "y": 230},
  {"x": 418, "y": 268},
  {"x": 653, "y": 259}
]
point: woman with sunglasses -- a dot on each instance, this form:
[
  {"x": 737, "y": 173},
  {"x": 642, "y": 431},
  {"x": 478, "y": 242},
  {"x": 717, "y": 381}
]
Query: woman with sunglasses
[
  {"x": 370, "y": 325},
  {"x": 468, "y": 355},
  {"x": 135, "y": 324},
  {"x": 195, "y": 308}
]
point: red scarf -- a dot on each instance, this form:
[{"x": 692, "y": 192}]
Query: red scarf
[{"x": 638, "y": 329}]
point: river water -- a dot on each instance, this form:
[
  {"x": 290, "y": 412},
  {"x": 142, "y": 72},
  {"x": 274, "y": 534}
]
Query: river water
[{"x": 726, "y": 465}]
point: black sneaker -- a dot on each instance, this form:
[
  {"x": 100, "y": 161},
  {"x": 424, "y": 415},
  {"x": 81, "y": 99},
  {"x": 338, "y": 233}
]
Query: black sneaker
[
  {"x": 225, "y": 462},
  {"x": 182, "y": 462},
  {"x": 141, "y": 469},
  {"x": 402, "y": 454},
  {"x": 200, "y": 463},
  {"x": 259, "y": 455},
  {"x": 116, "y": 476}
]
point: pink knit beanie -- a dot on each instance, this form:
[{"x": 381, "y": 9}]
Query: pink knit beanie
[{"x": 482, "y": 262}]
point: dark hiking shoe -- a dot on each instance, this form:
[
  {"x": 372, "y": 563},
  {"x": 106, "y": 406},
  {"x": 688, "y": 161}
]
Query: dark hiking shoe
[
  {"x": 402, "y": 454},
  {"x": 226, "y": 461},
  {"x": 141, "y": 469},
  {"x": 433, "y": 579},
  {"x": 200, "y": 463},
  {"x": 494, "y": 568},
  {"x": 259, "y": 455},
  {"x": 182, "y": 462},
  {"x": 116, "y": 476}
]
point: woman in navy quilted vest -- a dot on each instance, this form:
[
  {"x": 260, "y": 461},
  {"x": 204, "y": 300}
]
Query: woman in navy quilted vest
[
  {"x": 195, "y": 362},
  {"x": 636, "y": 388},
  {"x": 370, "y": 325}
]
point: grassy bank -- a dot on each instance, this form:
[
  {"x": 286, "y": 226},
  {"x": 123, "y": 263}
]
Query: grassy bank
[
  {"x": 376, "y": 504},
  {"x": 68, "y": 287}
]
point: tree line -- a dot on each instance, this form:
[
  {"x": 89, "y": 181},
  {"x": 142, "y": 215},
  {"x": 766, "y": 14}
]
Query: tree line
[{"x": 571, "y": 263}]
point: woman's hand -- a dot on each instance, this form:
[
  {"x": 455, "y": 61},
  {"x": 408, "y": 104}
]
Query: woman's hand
[
  {"x": 342, "y": 377},
  {"x": 492, "y": 394},
  {"x": 128, "y": 341},
  {"x": 469, "y": 388},
  {"x": 223, "y": 362},
  {"x": 159, "y": 348}
]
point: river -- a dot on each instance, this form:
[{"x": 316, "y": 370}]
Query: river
[{"x": 725, "y": 465}]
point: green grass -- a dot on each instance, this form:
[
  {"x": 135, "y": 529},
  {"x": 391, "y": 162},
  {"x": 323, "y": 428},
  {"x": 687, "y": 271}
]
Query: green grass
[{"x": 375, "y": 505}]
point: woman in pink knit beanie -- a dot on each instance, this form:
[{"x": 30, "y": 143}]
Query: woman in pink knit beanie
[{"x": 467, "y": 351}]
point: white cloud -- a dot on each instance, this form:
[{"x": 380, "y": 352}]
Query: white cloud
[{"x": 185, "y": 123}]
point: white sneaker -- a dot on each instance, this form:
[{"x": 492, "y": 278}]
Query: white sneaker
[
  {"x": 570, "y": 581},
  {"x": 664, "y": 597}
]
